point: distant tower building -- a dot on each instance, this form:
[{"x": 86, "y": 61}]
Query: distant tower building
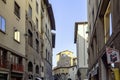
[
  {"x": 81, "y": 45},
  {"x": 65, "y": 63},
  {"x": 65, "y": 59}
]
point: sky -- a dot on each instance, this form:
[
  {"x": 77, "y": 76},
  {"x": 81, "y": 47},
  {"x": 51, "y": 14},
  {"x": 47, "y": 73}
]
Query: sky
[{"x": 66, "y": 13}]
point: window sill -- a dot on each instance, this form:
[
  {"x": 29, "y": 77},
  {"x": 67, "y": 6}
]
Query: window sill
[
  {"x": 17, "y": 17},
  {"x": 16, "y": 41},
  {"x": 2, "y": 31}
]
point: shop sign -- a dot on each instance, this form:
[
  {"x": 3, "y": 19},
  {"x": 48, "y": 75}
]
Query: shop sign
[
  {"x": 112, "y": 55},
  {"x": 94, "y": 70}
]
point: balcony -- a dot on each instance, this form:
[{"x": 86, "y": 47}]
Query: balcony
[
  {"x": 4, "y": 63},
  {"x": 17, "y": 67}
]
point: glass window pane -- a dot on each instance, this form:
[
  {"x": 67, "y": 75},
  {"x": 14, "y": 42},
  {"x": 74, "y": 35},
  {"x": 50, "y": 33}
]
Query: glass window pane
[
  {"x": 30, "y": 11},
  {"x": 0, "y": 22},
  {"x": 17, "y": 36},
  {"x": 3, "y": 24},
  {"x": 110, "y": 24}
]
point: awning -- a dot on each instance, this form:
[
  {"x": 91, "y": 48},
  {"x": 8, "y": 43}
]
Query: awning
[
  {"x": 94, "y": 71},
  {"x": 38, "y": 78}
]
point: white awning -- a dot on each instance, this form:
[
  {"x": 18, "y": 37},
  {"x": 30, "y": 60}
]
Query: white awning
[{"x": 38, "y": 78}]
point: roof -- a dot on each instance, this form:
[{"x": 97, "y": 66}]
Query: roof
[
  {"x": 50, "y": 13},
  {"x": 64, "y": 51},
  {"x": 76, "y": 28}
]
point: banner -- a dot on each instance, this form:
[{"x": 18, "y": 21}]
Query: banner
[{"x": 112, "y": 55}]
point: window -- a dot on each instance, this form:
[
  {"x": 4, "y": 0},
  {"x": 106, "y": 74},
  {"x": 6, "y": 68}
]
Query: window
[
  {"x": 19, "y": 60},
  {"x": 3, "y": 58},
  {"x": 2, "y": 24},
  {"x": 107, "y": 23},
  {"x": 36, "y": 7},
  {"x": 93, "y": 14},
  {"x": 30, "y": 38},
  {"x": 48, "y": 57},
  {"x": 37, "y": 34},
  {"x": 46, "y": 27},
  {"x": 30, "y": 11},
  {"x": 110, "y": 20},
  {"x": 42, "y": 68},
  {"x": 42, "y": 12},
  {"x": 4, "y": 1},
  {"x": 17, "y": 35},
  {"x": 37, "y": 69},
  {"x": 46, "y": 53},
  {"x": 42, "y": 7},
  {"x": 89, "y": 1},
  {"x": 37, "y": 22},
  {"x": 17, "y": 10},
  {"x": 37, "y": 45},
  {"x": 73, "y": 68},
  {"x": 30, "y": 67}
]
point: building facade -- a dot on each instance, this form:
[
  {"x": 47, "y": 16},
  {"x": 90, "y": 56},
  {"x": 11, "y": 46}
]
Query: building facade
[
  {"x": 12, "y": 39},
  {"x": 80, "y": 38},
  {"x": 33, "y": 41},
  {"x": 26, "y": 39},
  {"x": 65, "y": 73},
  {"x": 48, "y": 38},
  {"x": 72, "y": 73},
  {"x": 103, "y": 22},
  {"x": 60, "y": 73}
]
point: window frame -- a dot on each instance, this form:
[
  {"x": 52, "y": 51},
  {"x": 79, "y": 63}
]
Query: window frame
[
  {"x": 30, "y": 11},
  {"x": 30, "y": 38},
  {"x": 107, "y": 23},
  {"x": 37, "y": 7},
  {"x": 2, "y": 26},
  {"x": 37, "y": 45},
  {"x": 37, "y": 23},
  {"x": 17, "y": 36},
  {"x": 16, "y": 9}
]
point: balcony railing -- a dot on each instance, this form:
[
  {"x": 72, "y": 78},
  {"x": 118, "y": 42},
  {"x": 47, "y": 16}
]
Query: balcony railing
[
  {"x": 17, "y": 67},
  {"x": 4, "y": 63}
]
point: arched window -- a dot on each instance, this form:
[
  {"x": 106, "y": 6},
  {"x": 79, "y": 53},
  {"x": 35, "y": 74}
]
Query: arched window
[
  {"x": 37, "y": 69},
  {"x": 30, "y": 38},
  {"x": 30, "y": 67},
  {"x": 69, "y": 79}
]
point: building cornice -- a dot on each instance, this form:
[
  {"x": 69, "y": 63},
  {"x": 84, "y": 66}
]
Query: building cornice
[
  {"x": 64, "y": 67},
  {"x": 65, "y": 51},
  {"x": 51, "y": 14},
  {"x": 76, "y": 28}
]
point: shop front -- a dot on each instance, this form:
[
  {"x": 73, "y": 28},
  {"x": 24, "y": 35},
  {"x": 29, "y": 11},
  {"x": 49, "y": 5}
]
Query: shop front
[
  {"x": 3, "y": 76},
  {"x": 16, "y": 76}
]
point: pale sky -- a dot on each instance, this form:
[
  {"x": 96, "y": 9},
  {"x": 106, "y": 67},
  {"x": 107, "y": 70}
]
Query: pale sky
[{"x": 66, "y": 13}]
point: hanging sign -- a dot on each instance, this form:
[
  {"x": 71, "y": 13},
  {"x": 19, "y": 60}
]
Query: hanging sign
[{"x": 112, "y": 55}]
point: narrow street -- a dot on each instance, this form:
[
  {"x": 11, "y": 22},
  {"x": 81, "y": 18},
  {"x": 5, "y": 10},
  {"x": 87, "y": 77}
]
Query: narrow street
[{"x": 59, "y": 40}]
